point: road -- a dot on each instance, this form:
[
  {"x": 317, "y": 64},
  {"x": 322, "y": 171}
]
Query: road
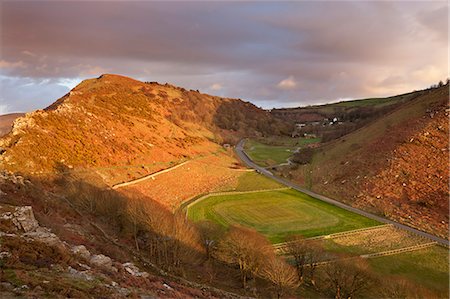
[{"x": 246, "y": 159}]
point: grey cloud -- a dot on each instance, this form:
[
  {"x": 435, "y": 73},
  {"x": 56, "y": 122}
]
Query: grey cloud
[{"x": 332, "y": 49}]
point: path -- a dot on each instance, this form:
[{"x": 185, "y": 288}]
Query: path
[{"x": 132, "y": 182}]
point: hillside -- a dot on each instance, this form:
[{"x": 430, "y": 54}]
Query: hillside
[
  {"x": 331, "y": 121},
  {"x": 66, "y": 162},
  {"x": 125, "y": 128},
  {"x": 396, "y": 166},
  {"x": 6, "y": 122}
]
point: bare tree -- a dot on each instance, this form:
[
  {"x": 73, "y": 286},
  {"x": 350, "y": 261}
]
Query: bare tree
[
  {"x": 297, "y": 248},
  {"x": 210, "y": 233},
  {"x": 347, "y": 278},
  {"x": 281, "y": 275},
  {"x": 314, "y": 257},
  {"x": 245, "y": 248},
  {"x": 306, "y": 254}
]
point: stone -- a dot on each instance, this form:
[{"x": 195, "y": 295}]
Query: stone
[
  {"x": 80, "y": 274},
  {"x": 43, "y": 234},
  {"x": 22, "y": 218},
  {"x": 102, "y": 261},
  {"x": 81, "y": 251},
  {"x": 4, "y": 254},
  {"x": 134, "y": 270}
]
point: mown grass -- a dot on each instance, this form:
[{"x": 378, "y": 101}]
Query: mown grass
[
  {"x": 427, "y": 267},
  {"x": 267, "y": 155},
  {"x": 278, "y": 214},
  {"x": 275, "y": 150}
]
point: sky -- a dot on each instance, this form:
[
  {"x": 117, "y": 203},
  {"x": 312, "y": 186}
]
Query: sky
[{"x": 274, "y": 54}]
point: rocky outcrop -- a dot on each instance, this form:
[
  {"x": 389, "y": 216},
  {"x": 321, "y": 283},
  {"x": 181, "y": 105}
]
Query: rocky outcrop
[{"x": 20, "y": 219}]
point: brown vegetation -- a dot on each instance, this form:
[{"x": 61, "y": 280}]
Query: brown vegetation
[
  {"x": 123, "y": 128},
  {"x": 396, "y": 166}
]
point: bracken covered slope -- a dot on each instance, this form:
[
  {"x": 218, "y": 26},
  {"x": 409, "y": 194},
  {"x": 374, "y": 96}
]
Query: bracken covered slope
[
  {"x": 396, "y": 166},
  {"x": 113, "y": 122}
]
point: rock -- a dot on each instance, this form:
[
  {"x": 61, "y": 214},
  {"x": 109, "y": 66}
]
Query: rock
[
  {"x": 22, "y": 218},
  {"x": 4, "y": 254},
  {"x": 43, "y": 234},
  {"x": 80, "y": 274},
  {"x": 81, "y": 251},
  {"x": 134, "y": 271},
  {"x": 102, "y": 261},
  {"x": 86, "y": 267}
]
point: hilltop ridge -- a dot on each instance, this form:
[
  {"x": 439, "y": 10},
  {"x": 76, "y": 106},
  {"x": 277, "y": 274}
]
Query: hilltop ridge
[{"x": 114, "y": 120}]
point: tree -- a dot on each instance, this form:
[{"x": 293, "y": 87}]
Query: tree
[
  {"x": 246, "y": 249},
  {"x": 281, "y": 275},
  {"x": 303, "y": 156},
  {"x": 297, "y": 248},
  {"x": 210, "y": 233},
  {"x": 306, "y": 256},
  {"x": 347, "y": 278},
  {"x": 314, "y": 257}
]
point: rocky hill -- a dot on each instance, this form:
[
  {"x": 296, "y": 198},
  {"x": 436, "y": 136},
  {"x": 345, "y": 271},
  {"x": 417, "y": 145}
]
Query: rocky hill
[
  {"x": 396, "y": 166},
  {"x": 113, "y": 122}
]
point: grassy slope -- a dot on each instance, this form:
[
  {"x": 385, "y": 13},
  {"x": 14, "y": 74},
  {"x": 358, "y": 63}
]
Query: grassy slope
[
  {"x": 274, "y": 150},
  {"x": 278, "y": 214},
  {"x": 267, "y": 155},
  {"x": 253, "y": 181},
  {"x": 374, "y": 102},
  {"x": 428, "y": 267}
]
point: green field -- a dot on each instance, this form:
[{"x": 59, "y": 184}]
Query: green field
[
  {"x": 273, "y": 151},
  {"x": 277, "y": 214},
  {"x": 427, "y": 267},
  {"x": 267, "y": 155}
]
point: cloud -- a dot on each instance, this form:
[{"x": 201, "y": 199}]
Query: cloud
[
  {"x": 3, "y": 109},
  {"x": 288, "y": 83},
  {"x": 335, "y": 49},
  {"x": 215, "y": 86},
  {"x": 11, "y": 65}
]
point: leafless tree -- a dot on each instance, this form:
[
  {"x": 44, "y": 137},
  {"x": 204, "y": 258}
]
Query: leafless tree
[
  {"x": 210, "y": 233},
  {"x": 281, "y": 275},
  {"x": 347, "y": 278},
  {"x": 306, "y": 254},
  {"x": 245, "y": 248}
]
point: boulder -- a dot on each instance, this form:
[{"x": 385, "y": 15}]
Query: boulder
[
  {"x": 81, "y": 251},
  {"x": 102, "y": 261}
]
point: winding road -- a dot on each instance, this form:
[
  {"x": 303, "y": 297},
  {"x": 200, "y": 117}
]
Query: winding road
[{"x": 246, "y": 159}]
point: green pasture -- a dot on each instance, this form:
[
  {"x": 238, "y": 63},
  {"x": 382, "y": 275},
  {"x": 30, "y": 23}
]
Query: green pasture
[
  {"x": 277, "y": 214},
  {"x": 427, "y": 267}
]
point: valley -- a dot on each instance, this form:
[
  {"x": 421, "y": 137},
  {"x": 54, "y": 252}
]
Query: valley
[{"x": 128, "y": 170}]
